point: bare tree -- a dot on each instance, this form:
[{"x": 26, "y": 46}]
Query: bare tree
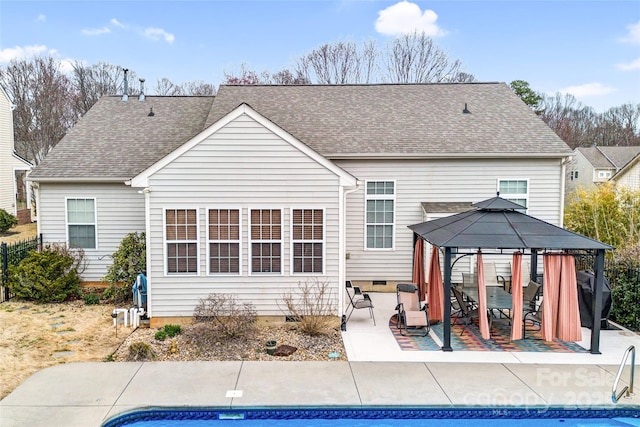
[
  {"x": 414, "y": 58},
  {"x": 165, "y": 87},
  {"x": 43, "y": 97},
  {"x": 338, "y": 63},
  {"x": 620, "y": 126},
  {"x": 198, "y": 88},
  {"x": 93, "y": 81}
]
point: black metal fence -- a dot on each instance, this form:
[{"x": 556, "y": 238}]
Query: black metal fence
[{"x": 12, "y": 255}]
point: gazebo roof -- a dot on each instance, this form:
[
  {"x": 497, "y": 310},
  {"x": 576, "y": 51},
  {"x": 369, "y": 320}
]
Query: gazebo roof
[{"x": 496, "y": 224}]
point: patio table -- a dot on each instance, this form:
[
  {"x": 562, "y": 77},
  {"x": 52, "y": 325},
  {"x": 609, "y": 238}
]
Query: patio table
[{"x": 497, "y": 299}]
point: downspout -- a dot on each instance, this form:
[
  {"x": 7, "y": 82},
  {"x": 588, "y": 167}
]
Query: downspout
[
  {"x": 342, "y": 203},
  {"x": 563, "y": 180},
  {"x": 147, "y": 230}
]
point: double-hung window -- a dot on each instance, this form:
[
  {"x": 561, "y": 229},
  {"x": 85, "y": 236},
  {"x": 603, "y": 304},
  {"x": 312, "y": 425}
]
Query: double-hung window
[
  {"x": 181, "y": 236},
  {"x": 266, "y": 240},
  {"x": 307, "y": 235},
  {"x": 515, "y": 190},
  {"x": 224, "y": 241},
  {"x": 380, "y": 214},
  {"x": 81, "y": 223}
]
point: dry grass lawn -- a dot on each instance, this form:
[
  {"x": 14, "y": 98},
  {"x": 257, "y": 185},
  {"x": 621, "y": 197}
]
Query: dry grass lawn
[
  {"x": 19, "y": 233},
  {"x": 36, "y": 336}
]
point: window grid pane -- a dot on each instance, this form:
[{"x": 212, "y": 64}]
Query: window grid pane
[
  {"x": 379, "y": 215},
  {"x": 181, "y": 231},
  {"x": 515, "y": 191},
  {"x": 308, "y": 240},
  {"x": 224, "y": 241},
  {"x": 81, "y": 225},
  {"x": 266, "y": 245}
]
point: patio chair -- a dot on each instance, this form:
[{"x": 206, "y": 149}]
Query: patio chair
[
  {"x": 469, "y": 312},
  {"x": 410, "y": 313},
  {"x": 357, "y": 301},
  {"x": 530, "y": 295},
  {"x": 532, "y": 315},
  {"x": 491, "y": 278}
]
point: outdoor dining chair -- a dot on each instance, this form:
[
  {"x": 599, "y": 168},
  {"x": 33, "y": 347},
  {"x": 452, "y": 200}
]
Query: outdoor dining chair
[
  {"x": 357, "y": 301},
  {"x": 533, "y": 316},
  {"x": 410, "y": 314},
  {"x": 469, "y": 312}
]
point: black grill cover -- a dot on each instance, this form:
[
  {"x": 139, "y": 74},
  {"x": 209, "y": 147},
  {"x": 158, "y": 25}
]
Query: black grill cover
[{"x": 586, "y": 289}]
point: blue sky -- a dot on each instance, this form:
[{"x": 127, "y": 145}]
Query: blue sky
[{"x": 588, "y": 48}]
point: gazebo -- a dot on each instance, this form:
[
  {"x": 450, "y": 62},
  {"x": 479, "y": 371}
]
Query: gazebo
[{"x": 497, "y": 224}]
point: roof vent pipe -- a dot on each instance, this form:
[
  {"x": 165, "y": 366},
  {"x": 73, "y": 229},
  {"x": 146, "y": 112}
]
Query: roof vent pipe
[
  {"x": 151, "y": 113},
  {"x": 466, "y": 110},
  {"x": 141, "y": 96},
  {"x": 125, "y": 95}
]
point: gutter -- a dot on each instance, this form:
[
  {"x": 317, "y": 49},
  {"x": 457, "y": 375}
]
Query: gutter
[
  {"x": 79, "y": 179},
  {"x": 414, "y": 156}
]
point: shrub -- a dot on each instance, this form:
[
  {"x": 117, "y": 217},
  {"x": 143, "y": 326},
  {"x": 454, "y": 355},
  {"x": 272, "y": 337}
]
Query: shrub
[
  {"x": 51, "y": 275},
  {"x": 7, "y": 221},
  {"x": 625, "y": 288},
  {"x": 168, "y": 331},
  {"x": 222, "y": 316},
  {"x": 128, "y": 261},
  {"x": 141, "y": 351},
  {"x": 313, "y": 306},
  {"x": 91, "y": 299},
  {"x": 172, "y": 330}
]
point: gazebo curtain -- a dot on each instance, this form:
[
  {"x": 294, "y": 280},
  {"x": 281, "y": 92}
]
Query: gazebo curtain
[
  {"x": 516, "y": 297},
  {"x": 482, "y": 303},
  {"x": 418, "y": 268},
  {"x": 435, "y": 293},
  {"x": 560, "y": 311}
]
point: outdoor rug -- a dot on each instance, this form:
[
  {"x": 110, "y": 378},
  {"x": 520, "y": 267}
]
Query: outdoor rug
[{"x": 471, "y": 340}]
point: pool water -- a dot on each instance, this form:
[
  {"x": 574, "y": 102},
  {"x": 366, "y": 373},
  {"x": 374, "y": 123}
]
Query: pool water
[{"x": 372, "y": 417}]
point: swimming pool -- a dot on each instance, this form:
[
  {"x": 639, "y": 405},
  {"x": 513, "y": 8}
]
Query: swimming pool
[{"x": 377, "y": 417}]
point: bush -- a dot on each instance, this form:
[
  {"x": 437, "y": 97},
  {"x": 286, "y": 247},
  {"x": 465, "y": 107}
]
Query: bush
[
  {"x": 7, "y": 221},
  {"x": 168, "y": 331},
  {"x": 91, "y": 299},
  {"x": 51, "y": 275},
  {"x": 625, "y": 288},
  {"x": 313, "y": 307},
  {"x": 223, "y": 317},
  {"x": 141, "y": 351},
  {"x": 128, "y": 260}
]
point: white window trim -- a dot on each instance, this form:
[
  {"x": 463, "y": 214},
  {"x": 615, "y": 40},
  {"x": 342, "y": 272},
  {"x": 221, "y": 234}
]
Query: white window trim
[
  {"x": 239, "y": 241},
  {"x": 95, "y": 218},
  {"x": 395, "y": 210},
  {"x": 515, "y": 195},
  {"x": 165, "y": 241},
  {"x": 604, "y": 174},
  {"x": 324, "y": 241},
  {"x": 250, "y": 241}
]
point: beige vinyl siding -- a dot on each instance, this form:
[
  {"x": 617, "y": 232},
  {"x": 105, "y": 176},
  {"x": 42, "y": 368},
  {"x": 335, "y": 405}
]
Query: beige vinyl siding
[
  {"x": 631, "y": 178},
  {"x": 419, "y": 181},
  {"x": 242, "y": 166},
  {"x": 119, "y": 208}
]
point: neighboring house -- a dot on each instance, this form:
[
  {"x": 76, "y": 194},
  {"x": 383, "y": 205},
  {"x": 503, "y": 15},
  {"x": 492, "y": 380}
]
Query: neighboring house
[
  {"x": 629, "y": 175},
  {"x": 14, "y": 191},
  {"x": 263, "y": 188},
  {"x": 591, "y": 166}
]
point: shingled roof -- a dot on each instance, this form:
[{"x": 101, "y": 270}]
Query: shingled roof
[
  {"x": 403, "y": 120},
  {"x": 609, "y": 157},
  {"x": 116, "y": 140}
]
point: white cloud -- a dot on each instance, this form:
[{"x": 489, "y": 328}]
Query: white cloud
[
  {"x": 406, "y": 17},
  {"x": 20, "y": 52},
  {"x": 588, "y": 89},
  {"x": 96, "y": 31},
  {"x": 633, "y": 36},
  {"x": 633, "y": 65},
  {"x": 41, "y": 18},
  {"x": 116, "y": 23},
  {"x": 158, "y": 33}
]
